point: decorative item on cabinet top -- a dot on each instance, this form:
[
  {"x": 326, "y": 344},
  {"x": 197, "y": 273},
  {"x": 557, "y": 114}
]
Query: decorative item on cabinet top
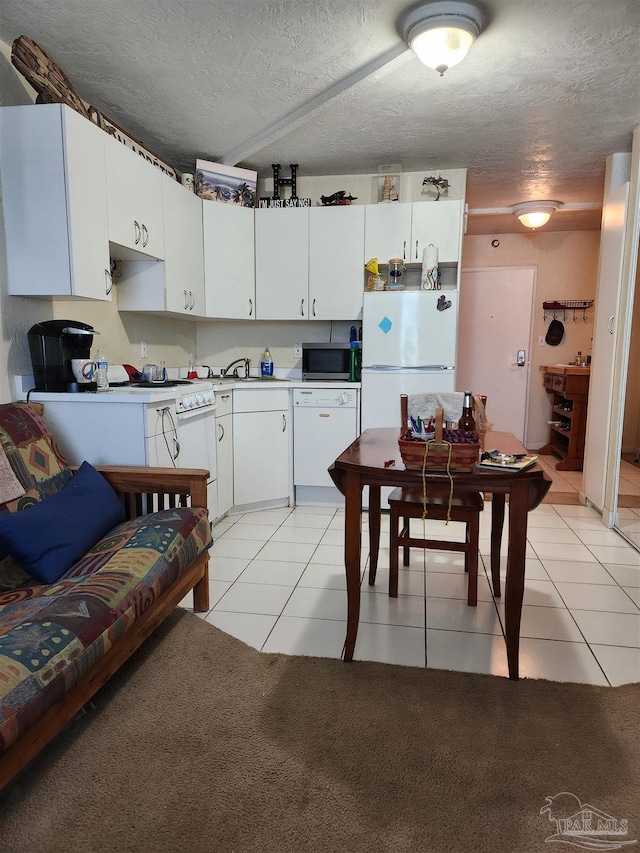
[
  {"x": 227, "y": 184},
  {"x": 437, "y": 185},
  {"x": 339, "y": 197},
  {"x": 54, "y": 87},
  {"x": 274, "y": 200}
]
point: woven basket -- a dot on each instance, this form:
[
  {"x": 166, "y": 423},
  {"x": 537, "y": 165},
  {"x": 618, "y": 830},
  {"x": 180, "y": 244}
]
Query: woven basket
[{"x": 440, "y": 454}]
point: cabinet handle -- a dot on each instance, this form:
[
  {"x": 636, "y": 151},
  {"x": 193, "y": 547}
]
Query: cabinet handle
[
  {"x": 192, "y": 301},
  {"x": 404, "y": 251},
  {"x": 108, "y": 282},
  {"x": 284, "y": 423},
  {"x": 251, "y": 307},
  {"x": 302, "y": 307},
  {"x": 145, "y": 235},
  {"x": 610, "y": 325},
  {"x": 221, "y": 434},
  {"x": 137, "y": 232},
  {"x": 313, "y": 308},
  {"x": 416, "y": 250},
  {"x": 186, "y": 300}
]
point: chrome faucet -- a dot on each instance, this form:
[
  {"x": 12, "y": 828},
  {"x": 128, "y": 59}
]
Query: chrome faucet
[{"x": 245, "y": 361}]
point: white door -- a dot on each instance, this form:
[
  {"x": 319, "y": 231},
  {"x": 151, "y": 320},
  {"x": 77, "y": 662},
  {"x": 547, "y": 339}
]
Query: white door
[
  {"x": 381, "y": 390},
  {"x": 224, "y": 456},
  {"x": 407, "y": 329},
  {"x": 229, "y": 261},
  {"x": 336, "y": 245},
  {"x": 282, "y": 263},
  {"x": 260, "y": 456},
  {"x": 494, "y": 326}
]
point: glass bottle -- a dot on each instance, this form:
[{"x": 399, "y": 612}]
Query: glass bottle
[
  {"x": 467, "y": 421},
  {"x": 353, "y": 362},
  {"x": 192, "y": 373}
]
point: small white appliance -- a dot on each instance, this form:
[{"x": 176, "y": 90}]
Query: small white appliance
[
  {"x": 409, "y": 341},
  {"x": 325, "y": 422}
]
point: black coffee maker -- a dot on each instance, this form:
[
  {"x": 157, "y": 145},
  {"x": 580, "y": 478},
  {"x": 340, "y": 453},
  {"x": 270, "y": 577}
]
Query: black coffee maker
[{"x": 53, "y": 344}]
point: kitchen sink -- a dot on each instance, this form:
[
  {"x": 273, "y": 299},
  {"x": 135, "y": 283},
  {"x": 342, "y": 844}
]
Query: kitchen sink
[{"x": 262, "y": 379}]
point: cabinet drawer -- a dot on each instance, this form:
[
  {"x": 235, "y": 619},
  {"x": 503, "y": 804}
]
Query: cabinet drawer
[
  {"x": 554, "y": 381},
  {"x": 260, "y": 400},
  {"x": 224, "y": 403}
]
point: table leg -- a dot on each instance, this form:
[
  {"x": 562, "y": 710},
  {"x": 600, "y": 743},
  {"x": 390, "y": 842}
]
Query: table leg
[
  {"x": 352, "y": 551},
  {"x": 518, "y": 507},
  {"x": 497, "y": 523},
  {"x": 374, "y": 532}
]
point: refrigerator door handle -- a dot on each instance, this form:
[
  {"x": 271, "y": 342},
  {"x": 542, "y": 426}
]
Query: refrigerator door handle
[{"x": 405, "y": 368}]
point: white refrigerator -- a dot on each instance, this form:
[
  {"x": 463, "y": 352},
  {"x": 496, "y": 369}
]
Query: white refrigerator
[{"x": 409, "y": 343}]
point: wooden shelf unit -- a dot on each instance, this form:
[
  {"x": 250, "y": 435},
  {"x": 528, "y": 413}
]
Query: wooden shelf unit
[{"x": 569, "y": 388}]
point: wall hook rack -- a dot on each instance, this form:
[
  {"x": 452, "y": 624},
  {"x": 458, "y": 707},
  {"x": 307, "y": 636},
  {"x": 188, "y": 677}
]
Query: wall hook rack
[{"x": 565, "y": 305}]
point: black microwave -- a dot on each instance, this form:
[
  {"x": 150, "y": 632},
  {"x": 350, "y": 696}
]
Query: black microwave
[{"x": 328, "y": 361}]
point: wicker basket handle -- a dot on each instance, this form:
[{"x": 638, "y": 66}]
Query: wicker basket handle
[{"x": 439, "y": 420}]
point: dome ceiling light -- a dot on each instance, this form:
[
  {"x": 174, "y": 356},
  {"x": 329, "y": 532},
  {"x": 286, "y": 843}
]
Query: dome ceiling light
[
  {"x": 441, "y": 33},
  {"x": 534, "y": 214}
]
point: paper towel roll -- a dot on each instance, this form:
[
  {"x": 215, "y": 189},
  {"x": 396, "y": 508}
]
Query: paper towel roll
[
  {"x": 430, "y": 256},
  {"x": 430, "y": 273}
]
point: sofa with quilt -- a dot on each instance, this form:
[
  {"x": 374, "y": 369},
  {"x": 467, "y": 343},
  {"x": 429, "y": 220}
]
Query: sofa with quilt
[{"x": 91, "y": 562}]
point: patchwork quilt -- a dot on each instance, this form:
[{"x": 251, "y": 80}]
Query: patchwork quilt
[{"x": 50, "y": 635}]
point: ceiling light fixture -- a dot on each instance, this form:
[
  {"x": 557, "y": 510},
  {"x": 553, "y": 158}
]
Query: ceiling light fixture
[
  {"x": 534, "y": 214},
  {"x": 442, "y": 32}
]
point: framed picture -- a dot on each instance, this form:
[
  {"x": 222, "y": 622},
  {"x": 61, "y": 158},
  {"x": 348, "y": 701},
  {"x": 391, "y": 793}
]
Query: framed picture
[{"x": 228, "y": 184}]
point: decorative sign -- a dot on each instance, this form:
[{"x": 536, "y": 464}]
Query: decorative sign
[{"x": 275, "y": 200}]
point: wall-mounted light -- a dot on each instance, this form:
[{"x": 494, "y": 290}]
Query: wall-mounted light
[
  {"x": 442, "y": 32},
  {"x": 534, "y": 214}
]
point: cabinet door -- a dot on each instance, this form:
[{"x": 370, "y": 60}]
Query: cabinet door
[
  {"x": 336, "y": 246},
  {"x": 134, "y": 196},
  {"x": 282, "y": 263},
  {"x": 229, "y": 261},
  {"x": 183, "y": 250},
  {"x": 260, "y": 456},
  {"x": 54, "y": 200},
  {"x": 387, "y": 231},
  {"x": 224, "y": 451},
  {"x": 440, "y": 223}
]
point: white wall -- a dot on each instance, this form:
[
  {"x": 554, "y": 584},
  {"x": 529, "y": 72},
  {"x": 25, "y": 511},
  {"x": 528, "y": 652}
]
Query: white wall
[{"x": 567, "y": 268}]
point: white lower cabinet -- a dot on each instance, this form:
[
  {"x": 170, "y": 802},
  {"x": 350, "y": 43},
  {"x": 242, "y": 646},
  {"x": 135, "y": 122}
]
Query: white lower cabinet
[
  {"x": 262, "y": 447},
  {"x": 224, "y": 450}
]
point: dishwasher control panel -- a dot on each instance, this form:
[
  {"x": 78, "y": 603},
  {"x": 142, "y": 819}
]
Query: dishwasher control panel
[{"x": 325, "y": 398}]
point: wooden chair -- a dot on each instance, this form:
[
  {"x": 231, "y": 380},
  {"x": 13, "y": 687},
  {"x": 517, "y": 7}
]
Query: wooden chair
[{"x": 409, "y": 502}]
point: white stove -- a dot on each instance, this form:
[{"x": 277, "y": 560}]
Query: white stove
[{"x": 171, "y": 425}]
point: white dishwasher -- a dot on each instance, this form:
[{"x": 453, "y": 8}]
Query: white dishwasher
[{"x": 325, "y": 422}]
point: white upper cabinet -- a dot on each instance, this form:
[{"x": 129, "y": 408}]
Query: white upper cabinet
[
  {"x": 55, "y": 202},
  {"x": 336, "y": 246},
  {"x": 282, "y": 263},
  {"x": 229, "y": 261},
  {"x": 175, "y": 285},
  {"x": 309, "y": 263},
  {"x": 404, "y": 230},
  {"x": 183, "y": 250},
  {"x": 387, "y": 231},
  {"x": 134, "y": 196}
]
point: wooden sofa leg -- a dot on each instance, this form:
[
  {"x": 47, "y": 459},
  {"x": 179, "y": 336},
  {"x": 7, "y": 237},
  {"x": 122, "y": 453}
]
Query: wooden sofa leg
[{"x": 201, "y": 593}]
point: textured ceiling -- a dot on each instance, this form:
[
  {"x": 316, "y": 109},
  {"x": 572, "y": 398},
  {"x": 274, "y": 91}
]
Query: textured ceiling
[{"x": 548, "y": 91}]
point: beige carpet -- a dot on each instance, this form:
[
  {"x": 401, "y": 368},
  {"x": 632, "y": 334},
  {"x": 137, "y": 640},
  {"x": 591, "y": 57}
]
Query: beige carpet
[{"x": 203, "y": 744}]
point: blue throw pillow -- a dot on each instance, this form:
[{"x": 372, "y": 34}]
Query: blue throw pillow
[{"x": 47, "y": 539}]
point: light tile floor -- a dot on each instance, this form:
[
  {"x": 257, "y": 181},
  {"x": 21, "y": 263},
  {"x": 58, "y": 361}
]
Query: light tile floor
[{"x": 277, "y": 583}]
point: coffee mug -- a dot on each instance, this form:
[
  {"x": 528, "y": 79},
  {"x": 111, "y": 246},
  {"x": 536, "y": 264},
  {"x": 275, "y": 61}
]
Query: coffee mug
[{"x": 83, "y": 370}]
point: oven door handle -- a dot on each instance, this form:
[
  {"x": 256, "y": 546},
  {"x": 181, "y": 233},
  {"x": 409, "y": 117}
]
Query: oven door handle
[{"x": 194, "y": 413}]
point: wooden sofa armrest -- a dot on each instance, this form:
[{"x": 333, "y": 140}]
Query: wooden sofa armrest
[{"x": 144, "y": 490}]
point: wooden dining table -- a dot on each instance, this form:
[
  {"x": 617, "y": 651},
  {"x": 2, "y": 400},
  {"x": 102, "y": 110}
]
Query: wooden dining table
[{"x": 374, "y": 460}]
